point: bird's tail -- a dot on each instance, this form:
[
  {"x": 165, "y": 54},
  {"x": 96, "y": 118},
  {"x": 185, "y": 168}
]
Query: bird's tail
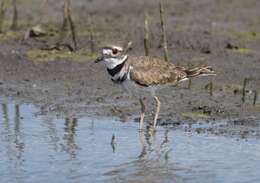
[{"x": 200, "y": 71}]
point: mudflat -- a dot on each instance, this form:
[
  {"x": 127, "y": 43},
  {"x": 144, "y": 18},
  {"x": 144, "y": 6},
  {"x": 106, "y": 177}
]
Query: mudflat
[{"x": 222, "y": 34}]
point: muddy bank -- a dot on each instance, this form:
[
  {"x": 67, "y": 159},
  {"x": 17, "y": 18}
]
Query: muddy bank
[{"x": 71, "y": 89}]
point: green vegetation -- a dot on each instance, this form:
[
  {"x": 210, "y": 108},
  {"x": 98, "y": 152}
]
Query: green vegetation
[
  {"x": 246, "y": 35},
  {"x": 195, "y": 115},
  {"x": 9, "y": 35},
  {"x": 239, "y": 35},
  {"x": 53, "y": 55},
  {"x": 245, "y": 51}
]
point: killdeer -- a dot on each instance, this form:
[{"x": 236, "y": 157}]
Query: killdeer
[{"x": 135, "y": 72}]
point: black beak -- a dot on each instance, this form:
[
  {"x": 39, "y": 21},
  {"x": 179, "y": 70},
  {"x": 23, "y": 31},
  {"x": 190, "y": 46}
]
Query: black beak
[{"x": 99, "y": 59}]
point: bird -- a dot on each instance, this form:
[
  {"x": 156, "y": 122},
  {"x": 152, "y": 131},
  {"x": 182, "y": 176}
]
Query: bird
[{"x": 142, "y": 73}]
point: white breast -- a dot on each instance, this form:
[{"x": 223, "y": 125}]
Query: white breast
[{"x": 113, "y": 62}]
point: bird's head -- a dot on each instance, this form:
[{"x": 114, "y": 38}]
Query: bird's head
[{"x": 113, "y": 55}]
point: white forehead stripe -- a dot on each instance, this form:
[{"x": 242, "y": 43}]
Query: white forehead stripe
[
  {"x": 106, "y": 51},
  {"x": 118, "y": 48}
]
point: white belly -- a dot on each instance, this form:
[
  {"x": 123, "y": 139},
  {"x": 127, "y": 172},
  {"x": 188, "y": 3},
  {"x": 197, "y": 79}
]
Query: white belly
[{"x": 138, "y": 91}]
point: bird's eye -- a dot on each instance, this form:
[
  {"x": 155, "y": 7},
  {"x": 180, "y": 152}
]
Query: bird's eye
[{"x": 114, "y": 51}]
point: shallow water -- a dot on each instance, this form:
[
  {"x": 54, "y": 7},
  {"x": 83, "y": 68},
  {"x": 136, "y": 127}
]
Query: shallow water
[{"x": 46, "y": 149}]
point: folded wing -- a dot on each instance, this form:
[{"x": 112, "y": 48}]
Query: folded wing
[{"x": 151, "y": 71}]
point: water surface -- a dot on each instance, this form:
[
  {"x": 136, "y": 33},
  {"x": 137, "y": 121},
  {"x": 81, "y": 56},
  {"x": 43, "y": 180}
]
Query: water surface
[{"x": 37, "y": 148}]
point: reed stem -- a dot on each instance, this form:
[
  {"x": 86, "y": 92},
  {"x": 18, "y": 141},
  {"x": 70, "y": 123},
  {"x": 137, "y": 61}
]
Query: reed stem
[
  {"x": 189, "y": 84},
  {"x": 255, "y": 97},
  {"x": 2, "y": 14},
  {"x": 72, "y": 28},
  {"x": 91, "y": 35},
  {"x": 44, "y": 12},
  {"x": 164, "y": 36},
  {"x": 146, "y": 35},
  {"x": 68, "y": 23},
  {"x": 14, "y": 25},
  {"x": 244, "y": 90},
  {"x": 211, "y": 88}
]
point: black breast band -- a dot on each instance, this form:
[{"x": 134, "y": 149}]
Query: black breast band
[{"x": 120, "y": 80}]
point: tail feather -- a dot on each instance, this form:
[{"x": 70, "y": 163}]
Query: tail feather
[{"x": 199, "y": 71}]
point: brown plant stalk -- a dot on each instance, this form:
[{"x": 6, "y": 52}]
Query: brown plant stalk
[{"x": 164, "y": 37}]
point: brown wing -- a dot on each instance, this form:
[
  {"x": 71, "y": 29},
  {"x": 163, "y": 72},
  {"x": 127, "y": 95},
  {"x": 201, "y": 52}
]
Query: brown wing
[{"x": 152, "y": 71}]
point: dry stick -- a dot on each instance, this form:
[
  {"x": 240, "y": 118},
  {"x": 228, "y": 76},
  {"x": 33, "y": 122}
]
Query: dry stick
[
  {"x": 211, "y": 88},
  {"x": 146, "y": 35},
  {"x": 2, "y": 14},
  {"x": 244, "y": 90},
  {"x": 91, "y": 35},
  {"x": 64, "y": 28},
  {"x": 165, "y": 48},
  {"x": 44, "y": 11},
  {"x": 255, "y": 97},
  {"x": 189, "y": 84},
  {"x": 72, "y": 26},
  {"x": 14, "y": 25},
  {"x": 67, "y": 20}
]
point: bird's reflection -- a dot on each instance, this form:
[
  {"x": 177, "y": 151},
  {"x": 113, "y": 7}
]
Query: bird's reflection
[
  {"x": 145, "y": 142},
  {"x": 150, "y": 144},
  {"x": 151, "y": 162},
  {"x": 69, "y": 136},
  {"x": 165, "y": 143},
  {"x": 143, "y": 145},
  {"x": 166, "y": 139}
]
